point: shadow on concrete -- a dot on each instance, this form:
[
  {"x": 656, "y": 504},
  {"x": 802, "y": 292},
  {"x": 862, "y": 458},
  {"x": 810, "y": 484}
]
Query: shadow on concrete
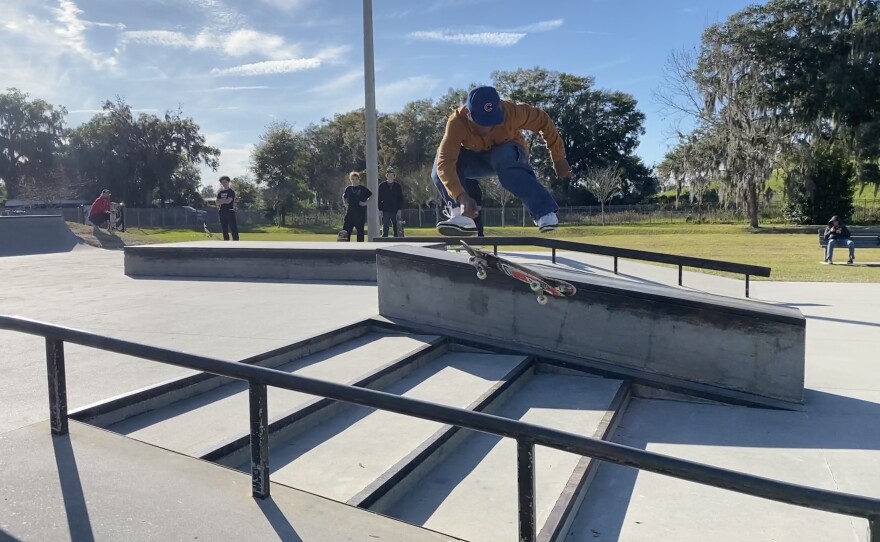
[
  {"x": 830, "y": 422},
  {"x": 77, "y": 512},
  {"x": 842, "y": 321},
  {"x": 577, "y": 266},
  {"x": 261, "y": 281},
  {"x": 278, "y": 520},
  {"x": 6, "y": 537}
]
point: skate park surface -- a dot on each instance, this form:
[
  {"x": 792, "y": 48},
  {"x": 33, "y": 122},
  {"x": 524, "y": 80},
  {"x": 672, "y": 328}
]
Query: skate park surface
[{"x": 73, "y": 488}]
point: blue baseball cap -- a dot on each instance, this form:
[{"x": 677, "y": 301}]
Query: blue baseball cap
[{"x": 484, "y": 106}]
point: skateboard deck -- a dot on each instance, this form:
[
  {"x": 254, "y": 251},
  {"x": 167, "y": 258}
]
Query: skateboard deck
[{"x": 538, "y": 283}]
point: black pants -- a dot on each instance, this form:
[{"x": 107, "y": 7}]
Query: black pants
[
  {"x": 228, "y": 223},
  {"x": 355, "y": 222},
  {"x": 390, "y": 219},
  {"x": 473, "y": 190}
]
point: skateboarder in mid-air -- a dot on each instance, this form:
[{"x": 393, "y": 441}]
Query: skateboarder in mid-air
[
  {"x": 483, "y": 139},
  {"x": 355, "y": 197}
]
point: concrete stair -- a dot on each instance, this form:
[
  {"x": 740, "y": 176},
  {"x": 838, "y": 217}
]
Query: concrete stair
[
  {"x": 472, "y": 494},
  {"x": 200, "y": 424},
  {"x": 439, "y": 477},
  {"x": 344, "y": 455}
]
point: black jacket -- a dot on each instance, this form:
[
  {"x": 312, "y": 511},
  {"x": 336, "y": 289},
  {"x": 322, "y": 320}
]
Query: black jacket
[
  {"x": 831, "y": 233},
  {"x": 390, "y": 197}
]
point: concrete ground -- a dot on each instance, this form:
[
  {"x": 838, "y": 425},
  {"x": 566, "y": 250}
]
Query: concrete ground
[{"x": 833, "y": 443}]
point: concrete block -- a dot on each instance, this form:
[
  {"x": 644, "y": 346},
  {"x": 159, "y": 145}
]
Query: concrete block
[{"x": 728, "y": 343}]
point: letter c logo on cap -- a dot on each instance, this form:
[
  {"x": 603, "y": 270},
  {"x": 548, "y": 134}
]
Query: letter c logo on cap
[{"x": 487, "y": 108}]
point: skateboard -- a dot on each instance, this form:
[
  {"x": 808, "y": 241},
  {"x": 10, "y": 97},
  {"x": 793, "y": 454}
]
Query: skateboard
[
  {"x": 538, "y": 283},
  {"x": 207, "y": 231},
  {"x": 342, "y": 236}
]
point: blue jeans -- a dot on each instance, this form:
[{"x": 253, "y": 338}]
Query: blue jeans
[
  {"x": 829, "y": 253},
  {"x": 507, "y": 162}
]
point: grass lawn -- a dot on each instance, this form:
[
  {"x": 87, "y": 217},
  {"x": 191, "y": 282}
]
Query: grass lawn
[{"x": 792, "y": 255}]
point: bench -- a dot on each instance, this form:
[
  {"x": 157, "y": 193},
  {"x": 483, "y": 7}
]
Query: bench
[{"x": 861, "y": 239}]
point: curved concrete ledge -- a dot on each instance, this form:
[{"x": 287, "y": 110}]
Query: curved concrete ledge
[
  {"x": 255, "y": 260},
  {"x": 707, "y": 339}
]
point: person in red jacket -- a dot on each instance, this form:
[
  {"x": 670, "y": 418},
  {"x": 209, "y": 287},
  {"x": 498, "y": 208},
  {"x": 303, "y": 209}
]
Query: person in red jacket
[{"x": 99, "y": 214}]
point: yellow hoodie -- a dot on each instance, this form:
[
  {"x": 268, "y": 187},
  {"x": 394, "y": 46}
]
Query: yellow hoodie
[{"x": 460, "y": 134}]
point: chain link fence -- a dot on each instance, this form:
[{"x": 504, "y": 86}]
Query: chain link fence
[{"x": 866, "y": 212}]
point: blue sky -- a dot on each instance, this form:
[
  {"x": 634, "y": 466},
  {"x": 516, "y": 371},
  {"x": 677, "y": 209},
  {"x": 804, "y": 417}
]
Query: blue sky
[{"x": 237, "y": 65}]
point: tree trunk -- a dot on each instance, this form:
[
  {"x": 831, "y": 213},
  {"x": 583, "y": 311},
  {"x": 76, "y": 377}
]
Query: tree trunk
[
  {"x": 752, "y": 201},
  {"x": 502, "y": 214},
  {"x": 602, "y": 206}
]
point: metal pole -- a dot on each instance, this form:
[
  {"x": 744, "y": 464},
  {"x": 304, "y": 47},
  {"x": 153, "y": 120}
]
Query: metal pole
[
  {"x": 525, "y": 475},
  {"x": 747, "y": 286},
  {"x": 57, "y": 386},
  {"x": 259, "y": 422},
  {"x": 370, "y": 111}
]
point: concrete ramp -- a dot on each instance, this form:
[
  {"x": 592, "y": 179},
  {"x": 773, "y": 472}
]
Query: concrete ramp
[
  {"x": 717, "y": 347},
  {"x": 26, "y": 235}
]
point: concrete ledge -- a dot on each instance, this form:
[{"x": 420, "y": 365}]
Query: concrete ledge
[
  {"x": 255, "y": 260},
  {"x": 728, "y": 343}
]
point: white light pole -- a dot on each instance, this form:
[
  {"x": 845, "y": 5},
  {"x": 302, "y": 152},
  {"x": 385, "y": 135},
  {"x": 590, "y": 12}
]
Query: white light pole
[{"x": 370, "y": 111}]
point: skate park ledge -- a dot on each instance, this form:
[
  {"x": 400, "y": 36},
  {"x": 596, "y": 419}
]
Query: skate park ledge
[
  {"x": 254, "y": 260},
  {"x": 749, "y": 348}
]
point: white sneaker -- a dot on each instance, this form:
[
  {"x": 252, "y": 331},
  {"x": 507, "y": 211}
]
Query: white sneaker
[
  {"x": 547, "y": 223},
  {"x": 457, "y": 224}
]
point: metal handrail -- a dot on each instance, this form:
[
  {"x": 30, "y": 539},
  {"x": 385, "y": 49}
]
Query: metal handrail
[
  {"x": 527, "y": 435},
  {"x": 615, "y": 252}
]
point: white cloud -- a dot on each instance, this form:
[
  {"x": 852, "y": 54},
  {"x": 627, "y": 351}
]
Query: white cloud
[
  {"x": 394, "y": 95},
  {"x": 341, "y": 83},
  {"x": 542, "y": 26},
  {"x": 72, "y": 31},
  {"x": 236, "y": 44},
  {"x": 269, "y": 67},
  {"x": 287, "y": 5},
  {"x": 234, "y": 89},
  {"x": 492, "y": 39}
]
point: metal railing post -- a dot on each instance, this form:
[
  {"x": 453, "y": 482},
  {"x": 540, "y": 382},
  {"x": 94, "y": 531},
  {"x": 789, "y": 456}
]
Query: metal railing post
[
  {"x": 554, "y": 254},
  {"x": 495, "y": 250},
  {"x": 874, "y": 529},
  {"x": 259, "y": 414},
  {"x": 680, "y": 274},
  {"x": 57, "y": 386},
  {"x": 525, "y": 477},
  {"x": 615, "y": 265},
  {"x": 747, "y": 285}
]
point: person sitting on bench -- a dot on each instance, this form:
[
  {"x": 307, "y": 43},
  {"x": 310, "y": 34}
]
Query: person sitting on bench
[{"x": 838, "y": 235}]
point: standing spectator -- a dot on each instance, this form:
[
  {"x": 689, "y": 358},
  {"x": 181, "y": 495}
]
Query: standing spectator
[
  {"x": 99, "y": 213},
  {"x": 838, "y": 235},
  {"x": 355, "y": 197},
  {"x": 226, "y": 209},
  {"x": 390, "y": 203}
]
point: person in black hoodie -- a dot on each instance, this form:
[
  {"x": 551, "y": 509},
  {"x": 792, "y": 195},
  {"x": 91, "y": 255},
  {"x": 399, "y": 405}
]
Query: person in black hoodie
[
  {"x": 390, "y": 203},
  {"x": 838, "y": 235},
  {"x": 355, "y": 197}
]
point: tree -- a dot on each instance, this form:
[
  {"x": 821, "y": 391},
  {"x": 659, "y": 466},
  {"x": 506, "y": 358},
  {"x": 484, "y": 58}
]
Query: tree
[
  {"x": 604, "y": 183},
  {"x": 247, "y": 194},
  {"x": 31, "y": 131},
  {"x": 833, "y": 182},
  {"x": 599, "y": 128},
  {"x": 208, "y": 193},
  {"x": 499, "y": 195},
  {"x": 140, "y": 158},
  {"x": 280, "y": 163}
]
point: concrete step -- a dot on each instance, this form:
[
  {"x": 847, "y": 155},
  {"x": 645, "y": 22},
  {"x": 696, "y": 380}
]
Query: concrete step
[
  {"x": 344, "y": 455},
  {"x": 202, "y": 423},
  {"x": 472, "y": 493}
]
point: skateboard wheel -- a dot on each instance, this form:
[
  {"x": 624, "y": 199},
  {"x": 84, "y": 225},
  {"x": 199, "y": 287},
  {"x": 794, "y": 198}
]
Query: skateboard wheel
[
  {"x": 542, "y": 300},
  {"x": 481, "y": 274},
  {"x": 536, "y": 287}
]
